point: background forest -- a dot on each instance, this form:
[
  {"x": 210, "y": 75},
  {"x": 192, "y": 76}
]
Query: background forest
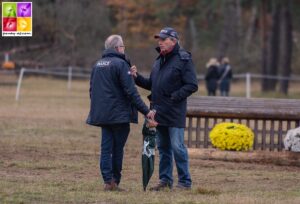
[{"x": 259, "y": 36}]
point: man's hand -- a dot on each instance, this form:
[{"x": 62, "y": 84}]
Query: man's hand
[
  {"x": 151, "y": 123},
  {"x": 151, "y": 114},
  {"x": 133, "y": 71},
  {"x": 150, "y": 119}
]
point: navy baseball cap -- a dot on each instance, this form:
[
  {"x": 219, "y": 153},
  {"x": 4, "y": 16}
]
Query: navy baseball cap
[{"x": 167, "y": 32}]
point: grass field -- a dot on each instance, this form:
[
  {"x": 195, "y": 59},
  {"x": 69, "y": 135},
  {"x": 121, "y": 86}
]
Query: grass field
[{"x": 49, "y": 155}]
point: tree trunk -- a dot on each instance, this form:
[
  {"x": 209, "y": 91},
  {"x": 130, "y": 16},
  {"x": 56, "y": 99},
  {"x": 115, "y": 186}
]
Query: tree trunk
[
  {"x": 228, "y": 27},
  {"x": 194, "y": 38},
  {"x": 264, "y": 34},
  {"x": 239, "y": 26},
  {"x": 273, "y": 48},
  {"x": 286, "y": 46},
  {"x": 251, "y": 28},
  {"x": 188, "y": 40}
]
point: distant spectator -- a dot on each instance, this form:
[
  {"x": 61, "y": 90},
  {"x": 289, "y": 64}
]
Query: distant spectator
[
  {"x": 225, "y": 73},
  {"x": 212, "y": 76}
]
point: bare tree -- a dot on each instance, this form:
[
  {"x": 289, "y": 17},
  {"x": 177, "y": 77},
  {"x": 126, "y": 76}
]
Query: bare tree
[
  {"x": 81, "y": 26},
  {"x": 277, "y": 43},
  {"x": 251, "y": 28},
  {"x": 273, "y": 48},
  {"x": 232, "y": 27},
  {"x": 264, "y": 24},
  {"x": 286, "y": 44}
]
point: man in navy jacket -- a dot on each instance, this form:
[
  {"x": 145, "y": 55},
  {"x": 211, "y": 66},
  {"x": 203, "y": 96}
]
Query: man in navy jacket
[
  {"x": 172, "y": 80},
  {"x": 114, "y": 99}
]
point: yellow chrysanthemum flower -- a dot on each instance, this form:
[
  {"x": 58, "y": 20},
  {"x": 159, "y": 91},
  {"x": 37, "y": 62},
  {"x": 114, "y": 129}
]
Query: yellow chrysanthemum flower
[{"x": 232, "y": 136}]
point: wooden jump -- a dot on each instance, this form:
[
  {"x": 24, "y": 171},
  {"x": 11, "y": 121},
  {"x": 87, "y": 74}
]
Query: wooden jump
[{"x": 269, "y": 119}]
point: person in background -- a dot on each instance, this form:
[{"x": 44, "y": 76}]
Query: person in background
[
  {"x": 114, "y": 99},
  {"x": 212, "y": 76},
  {"x": 225, "y": 73},
  {"x": 172, "y": 80}
]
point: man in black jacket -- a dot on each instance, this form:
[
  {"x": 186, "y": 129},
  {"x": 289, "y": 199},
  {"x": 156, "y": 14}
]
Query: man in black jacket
[
  {"x": 114, "y": 99},
  {"x": 172, "y": 80}
]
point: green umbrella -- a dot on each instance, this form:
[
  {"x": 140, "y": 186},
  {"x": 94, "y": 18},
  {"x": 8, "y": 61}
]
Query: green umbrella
[{"x": 149, "y": 135}]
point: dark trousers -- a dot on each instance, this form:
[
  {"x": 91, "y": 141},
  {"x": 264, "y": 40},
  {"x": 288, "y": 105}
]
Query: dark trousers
[
  {"x": 113, "y": 141},
  {"x": 211, "y": 93}
]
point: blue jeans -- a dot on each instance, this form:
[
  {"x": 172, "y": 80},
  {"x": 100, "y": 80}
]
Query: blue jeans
[
  {"x": 170, "y": 141},
  {"x": 113, "y": 141}
]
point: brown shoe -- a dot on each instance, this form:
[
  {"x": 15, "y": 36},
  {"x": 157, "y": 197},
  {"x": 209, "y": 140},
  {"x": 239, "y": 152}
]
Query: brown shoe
[
  {"x": 112, "y": 186},
  {"x": 109, "y": 186},
  {"x": 161, "y": 186}
]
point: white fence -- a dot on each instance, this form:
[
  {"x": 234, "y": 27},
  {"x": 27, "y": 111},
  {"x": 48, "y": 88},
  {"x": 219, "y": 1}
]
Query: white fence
[
  {"x": 249, "y": 76},
  {"x": 71, "y": 72},
  {"x": 68, "y": 74}
]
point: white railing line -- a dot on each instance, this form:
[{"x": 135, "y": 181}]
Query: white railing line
[
  {"x": 69, "y": 73},
  {"x": 56, "y": 73},
  {"x": 296, "y": 78},
  {"x": 199, "y": 76},
  {"x": 260, "y": 76},
  {"x": 63, "y": 69}
]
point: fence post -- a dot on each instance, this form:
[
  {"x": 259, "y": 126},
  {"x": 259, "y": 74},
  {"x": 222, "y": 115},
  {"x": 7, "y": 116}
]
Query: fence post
[
  {"x": 69, "y": 77},
  {"x": 248, "y": 85},
  {"x": 19, "y": 83}
]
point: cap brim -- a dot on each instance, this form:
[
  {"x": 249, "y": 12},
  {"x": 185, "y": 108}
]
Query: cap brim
[{"x": 160, "y": 35}]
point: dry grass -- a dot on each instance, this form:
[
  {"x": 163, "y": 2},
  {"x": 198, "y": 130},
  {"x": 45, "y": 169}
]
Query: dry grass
[{"x": 49, "y": 155}]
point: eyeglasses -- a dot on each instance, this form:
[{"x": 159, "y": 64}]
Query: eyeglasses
[{"x": 122, "y": 46}]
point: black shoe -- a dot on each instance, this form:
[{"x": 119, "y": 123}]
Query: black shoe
[{"x": 161, "y": 186}]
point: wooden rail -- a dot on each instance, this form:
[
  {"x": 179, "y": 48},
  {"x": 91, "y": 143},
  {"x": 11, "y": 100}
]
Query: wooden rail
[{"x": 269, "y": 119}]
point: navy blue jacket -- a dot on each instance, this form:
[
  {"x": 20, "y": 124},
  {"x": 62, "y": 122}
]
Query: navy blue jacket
[
  {"x": 114, "y": 97},
  {"x": 211, "y": 78},
  {"x": 172, "y": 80},
  {"x": 225, "y": 82}
]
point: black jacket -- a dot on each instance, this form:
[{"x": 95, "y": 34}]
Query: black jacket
[
  {"x": 172, "y": 80},
  {"x": 225, "y": 81},
  {"x": 112, "y": 92},
  {"x": 222, "y": 71},
  {"x": 211, "y": 78}
]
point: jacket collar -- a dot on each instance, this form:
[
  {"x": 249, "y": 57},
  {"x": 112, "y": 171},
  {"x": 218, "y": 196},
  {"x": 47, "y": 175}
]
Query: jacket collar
[
  {"x": 174, "y": 51},
  {"x": 114, "y": 53}
]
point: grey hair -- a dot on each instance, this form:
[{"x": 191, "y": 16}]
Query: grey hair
[
  {"x": 113, "y": 41},
  {"x": 174, "y": 39}
]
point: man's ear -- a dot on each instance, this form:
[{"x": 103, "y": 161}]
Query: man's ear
[{"x": 174, "y": 40}]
